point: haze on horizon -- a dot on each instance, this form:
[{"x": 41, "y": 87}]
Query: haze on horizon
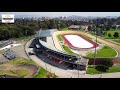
[{"x": 58, "y": 14}]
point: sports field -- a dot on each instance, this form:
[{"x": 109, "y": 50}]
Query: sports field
[
  {"x": 77, "y": 41},
  {"x": 105, "y": 52}
]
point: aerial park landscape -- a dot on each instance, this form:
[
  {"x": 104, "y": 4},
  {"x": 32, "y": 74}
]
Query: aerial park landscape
[{"x": 60, "y": 48}]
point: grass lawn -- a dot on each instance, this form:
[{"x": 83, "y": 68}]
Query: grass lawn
[
  {"x": 22, "y": 72},
  {"x": 17, "y": 72},
  {"x": 111, "y": 70},
  {"x": 42, "y": 73},
  {"x": 105, "y": 52},
  {"x": 25, "y": 38},
  {"x": 63, "y": 29},
  {"x": 87, "y": 37},
  {"x": 112, "y": 31},
  {"x": 117, "y": 40},
  {"x": 68, "y": 50},
  {"x": 21, "y": 61},
  {"x": 59, "y": 37}
]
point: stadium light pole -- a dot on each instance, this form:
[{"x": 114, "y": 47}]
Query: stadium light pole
[
  {"x": 79, "y": 64},
  {"x": 59, "y": 25},
  {"x": 95, "y": 48}
]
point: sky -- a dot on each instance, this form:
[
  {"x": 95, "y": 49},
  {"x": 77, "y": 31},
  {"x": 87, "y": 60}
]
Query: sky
[{"x": 57, "y": 14}]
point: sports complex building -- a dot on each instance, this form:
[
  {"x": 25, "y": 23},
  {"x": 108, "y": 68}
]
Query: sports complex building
[{"x": 45, "y": 45}]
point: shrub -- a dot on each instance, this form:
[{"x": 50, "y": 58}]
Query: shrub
[
  {"x": 109, "y": 35},
  {"x": 116, "y": 34},
  {"x": 104, "y": 65}
]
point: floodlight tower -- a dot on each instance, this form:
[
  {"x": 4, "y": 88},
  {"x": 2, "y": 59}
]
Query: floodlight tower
[
  {"x": 79, "y": 58},
  {"x": 59, "y": 25},
  {"x": 96, "y": 30}
]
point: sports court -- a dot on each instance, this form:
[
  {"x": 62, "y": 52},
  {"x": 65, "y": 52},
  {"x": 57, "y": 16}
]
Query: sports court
[{"x": 76, "y": 41}]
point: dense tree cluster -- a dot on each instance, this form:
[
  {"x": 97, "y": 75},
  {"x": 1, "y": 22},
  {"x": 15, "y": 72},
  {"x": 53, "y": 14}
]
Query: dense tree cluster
[
  {"x": 28, "y": 26},
  {"x": 101, "y": 25}
]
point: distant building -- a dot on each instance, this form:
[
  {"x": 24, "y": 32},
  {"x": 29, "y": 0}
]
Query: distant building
[
  {"x": 74, "y": 27},
  {"x": 117, "y": 26},
  {"x": 84, "y": 27}
]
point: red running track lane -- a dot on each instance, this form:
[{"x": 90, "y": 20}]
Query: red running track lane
[{"x": 73, "y": 47}]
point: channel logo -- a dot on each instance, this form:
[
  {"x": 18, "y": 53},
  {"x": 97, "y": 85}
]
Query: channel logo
[{"x": 7, "y": 18}]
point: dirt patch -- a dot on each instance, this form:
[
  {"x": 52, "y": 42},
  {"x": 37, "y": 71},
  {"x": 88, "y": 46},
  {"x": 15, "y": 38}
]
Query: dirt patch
[{"x": 32, "y": 69}]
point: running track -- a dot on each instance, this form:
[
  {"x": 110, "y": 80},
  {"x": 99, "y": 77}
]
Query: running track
[{"x": 57, "y": 45}]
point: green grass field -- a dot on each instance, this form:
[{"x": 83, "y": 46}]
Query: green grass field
[
  {"x": 105, "y": 52},
  {"x": 117, "y": 40},
  {"x": 59, "y": 37},
  {"x": 68, "y": 50},
  {"x": 15, "y": 72},
  {"x": 21, "y": 61},
  {"x": 42, "y": 73},
  {"x": 64, "y": 29},
  {"x": 111, "y": 70},
  {"x": 112, "y": 31},
  {"x": 87, "y": 37},
  {"x": 22, "y": 72}
]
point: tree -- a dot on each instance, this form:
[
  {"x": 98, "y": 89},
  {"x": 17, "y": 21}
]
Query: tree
[
  {"x": 107, "y": 28},
  {"x": 114, "y": 27},
  {"x": 89, "y": 28},
  {"x": 116, "y": 34},
  {"x": 52, "y": 24},
  {"x": 104, "y": 65},
  {"x": 109, "y": 35}
]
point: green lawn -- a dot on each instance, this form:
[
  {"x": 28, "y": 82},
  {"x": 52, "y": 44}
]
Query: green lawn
[
  {"x": 105, "y": 52},
  {"x": 87, "y": 37},
  {"x": 59, "y": 37},
  {"x": 63, "y": 29},
  {"x": 117, "y": 40},
  {"x": 111, "y": 70},
  {"x": 112, "y": 31},
  {"x": 42, "y": 73},
  {"x": 17, "y": 72},
  {"x": 21, "y": 61},
  {"x": 68, "y": 50},
  {"x": 25, "y": 38}
]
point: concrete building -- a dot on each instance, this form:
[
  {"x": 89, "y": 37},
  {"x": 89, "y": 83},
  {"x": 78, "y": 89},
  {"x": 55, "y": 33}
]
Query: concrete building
[{"x": 74, "y": 27}]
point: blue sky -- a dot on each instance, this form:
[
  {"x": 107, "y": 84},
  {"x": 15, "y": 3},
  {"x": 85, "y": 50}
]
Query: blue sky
[{"x": 57, "y": 14}]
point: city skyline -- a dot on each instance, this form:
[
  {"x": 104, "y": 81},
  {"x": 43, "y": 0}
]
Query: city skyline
[{"x": 63, "y": 14}]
